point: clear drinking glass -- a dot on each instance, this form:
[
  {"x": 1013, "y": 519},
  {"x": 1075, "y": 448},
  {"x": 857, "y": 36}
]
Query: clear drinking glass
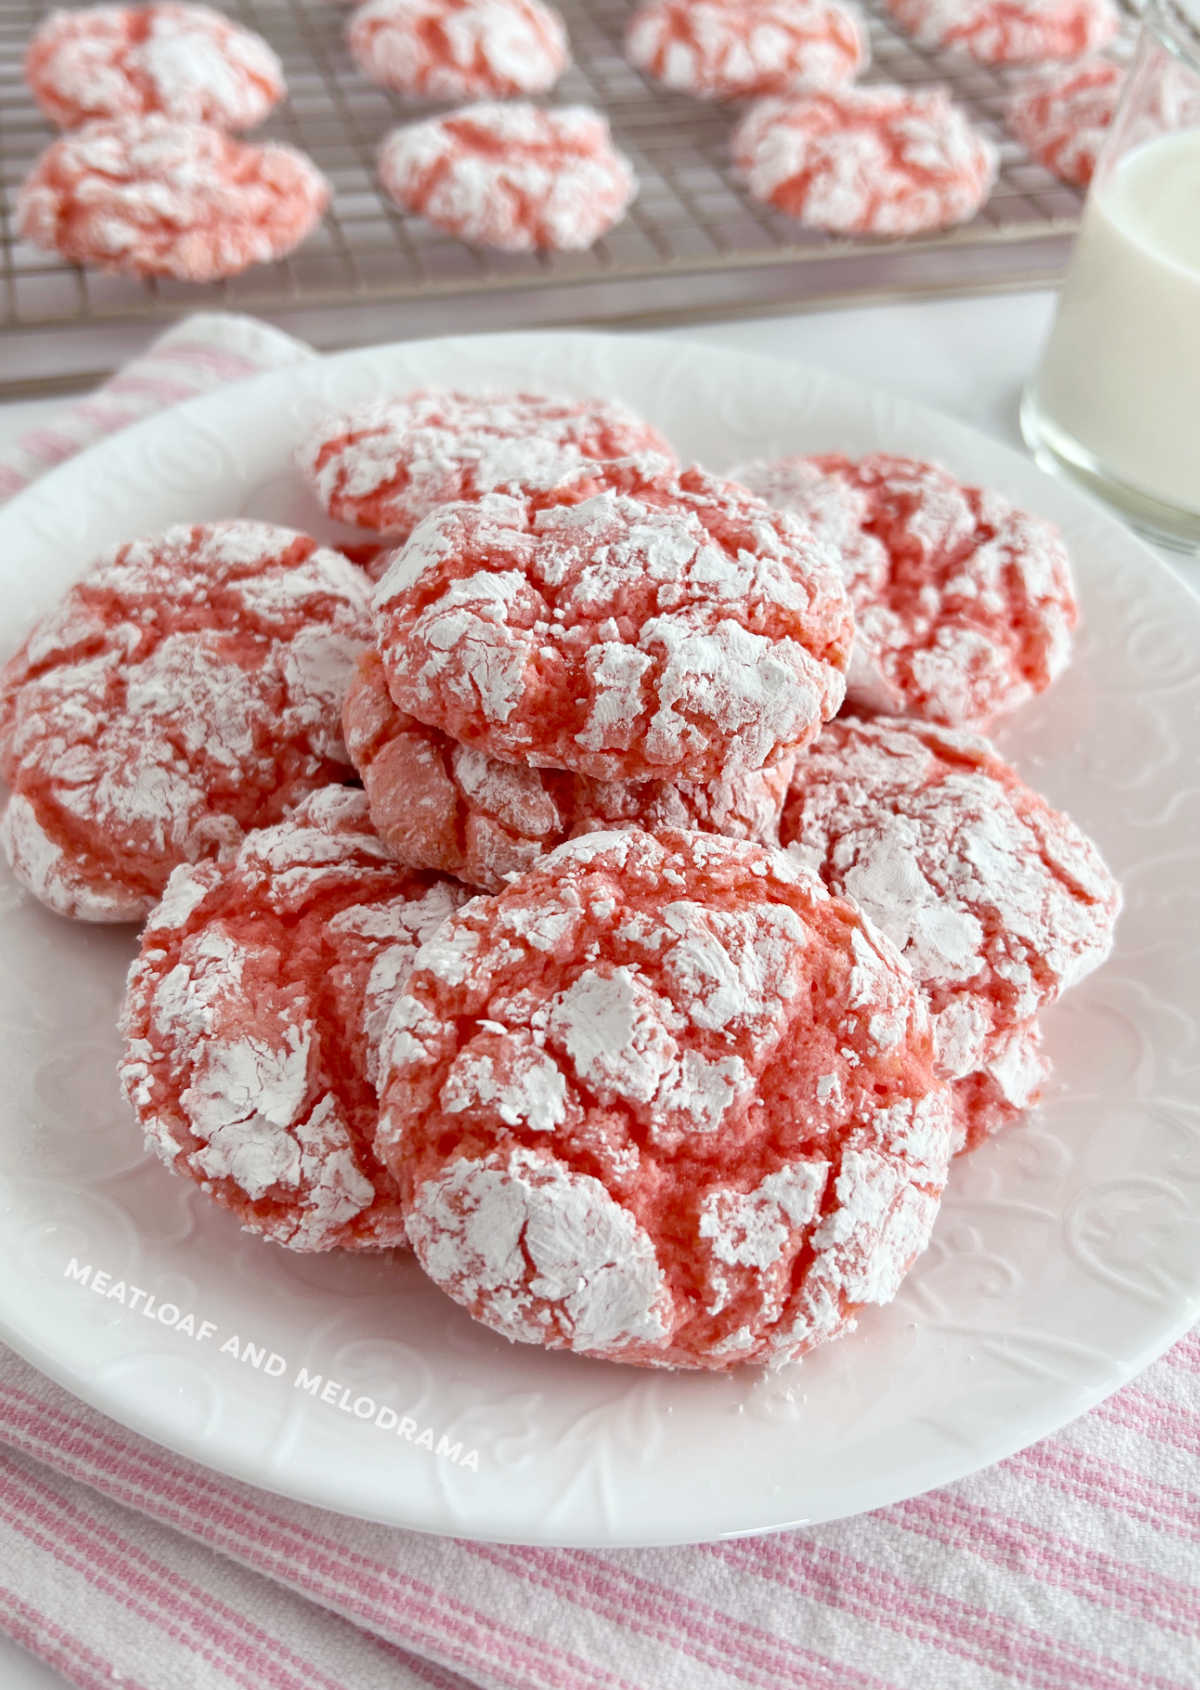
[{"x": 1116, "y": 398}]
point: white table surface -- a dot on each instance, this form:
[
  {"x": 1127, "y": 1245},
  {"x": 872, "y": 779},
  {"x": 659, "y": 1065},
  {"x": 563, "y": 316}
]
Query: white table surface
[{"x": 968, "y": 357}]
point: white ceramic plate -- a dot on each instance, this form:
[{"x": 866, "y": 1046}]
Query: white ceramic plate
[{"x": 1064, "y": 1260}]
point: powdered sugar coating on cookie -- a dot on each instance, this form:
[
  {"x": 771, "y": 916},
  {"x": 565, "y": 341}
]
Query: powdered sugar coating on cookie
[
  {"x": 998, "y": 903},
  {"x": 1062, "y": 119},
  {"x": 459, "y": 49},
  {"x": 512, "y": 176},
  {"x": 725, "y": 51},
  {"x": 881, "y": 160},
  {"x": 441, "y": 805},
  {"x": 837, "y": 511},
  {"x": 663, "y": 1100},
  {"x": 386, "y": 465},
  {"x": 253, "y": 1015},
  {"x": 998, "y": 1095},
  {"x": 1009, "y": 32},
  {"x": 676, "y": 628},
  {"x": 964, "y": 606},
  {"x": 187, "y": 688},
  {"x": 183, "y": 61},
  {"x": 154, "y": 197}
]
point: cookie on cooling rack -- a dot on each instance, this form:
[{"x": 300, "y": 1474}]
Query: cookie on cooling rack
[
  {"x": 1061, "y": 119},
  {"x": 664, "y": 1101},
  {"x": 188, "y": 688},
  {"x": 387, "y": 464},
  {"x": 512, "y": 176},
  {"x": 441, "y": 805},
  {"x": 675, "y": 628},
  {"x": 459, "y": 49},
  {"x": 154, "y": 197},
  {"x": 252, "y": 1021},
  {"x": 182, "y": 61},
  {"x": 964, "y": 606},
  {"x": 731, "y": 49},
  {"x": 1009, "y": 32},
  {"x": 866, "y": 161},
  {"x": 997, "y": 902}
]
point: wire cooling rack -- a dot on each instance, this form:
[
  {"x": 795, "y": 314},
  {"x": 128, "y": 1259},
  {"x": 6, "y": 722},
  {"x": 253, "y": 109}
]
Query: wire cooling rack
[{"x": 693, "y": 243}]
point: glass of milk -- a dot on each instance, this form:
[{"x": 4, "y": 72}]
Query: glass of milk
[{"x": 1116, "y": 399}]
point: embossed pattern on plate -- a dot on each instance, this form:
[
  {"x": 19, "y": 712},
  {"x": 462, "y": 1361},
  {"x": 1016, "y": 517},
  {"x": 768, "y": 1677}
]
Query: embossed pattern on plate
[{"x": 1066, "y": 1255}]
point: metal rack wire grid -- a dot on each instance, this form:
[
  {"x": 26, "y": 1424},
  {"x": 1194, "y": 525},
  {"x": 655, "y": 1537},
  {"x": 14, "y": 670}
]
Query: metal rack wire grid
[{"x": 692, "y": 240}]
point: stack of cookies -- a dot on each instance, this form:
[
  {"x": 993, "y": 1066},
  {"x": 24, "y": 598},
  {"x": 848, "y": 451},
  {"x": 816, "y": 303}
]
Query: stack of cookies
[{"x": 608, "y": 958}]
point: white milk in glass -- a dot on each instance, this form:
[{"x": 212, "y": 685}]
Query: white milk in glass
[{"x": 1121, "y": 374}]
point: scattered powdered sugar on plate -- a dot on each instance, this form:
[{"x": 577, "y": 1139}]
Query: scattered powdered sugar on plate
[
  {"x": 664, "y": 1100},
  {"x": 253, "y": 1016}
]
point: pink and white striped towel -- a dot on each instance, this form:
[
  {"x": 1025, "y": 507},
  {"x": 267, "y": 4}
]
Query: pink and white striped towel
[
  {"x": 191, "y": 358},
  {"x": 1074, "y": 1566}
]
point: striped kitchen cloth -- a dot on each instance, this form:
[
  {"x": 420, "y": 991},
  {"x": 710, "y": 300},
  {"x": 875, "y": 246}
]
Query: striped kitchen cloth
[{"x": 1072, "y": 1566}]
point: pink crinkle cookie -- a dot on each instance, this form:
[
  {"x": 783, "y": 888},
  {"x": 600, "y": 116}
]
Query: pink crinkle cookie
[
  {"x": 154, "y": 197},
  {"x": 1062, "y": 119},
  {"x": 388, "y": 464},
  {"x": 510, "y": 175},
  {"x": 183, "y": 61},
  {"x": 728, "y": 49},
  {"x": 253, "y": 1015},
  {"x": 672, "y": 628},
  {"x": 664, "y": 1101},
  {"x": 459, "y": 49},
  {"x": 964, "y": 606},
  {"x": 997, "y": 902},
  {"x": 188, "y": 688},
  {"x": 996, "y": 1096},
  {"x": 866, "y": 161},
  {"x": 1009, "y": 32},
  {"x": 441, "y": 805}
]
